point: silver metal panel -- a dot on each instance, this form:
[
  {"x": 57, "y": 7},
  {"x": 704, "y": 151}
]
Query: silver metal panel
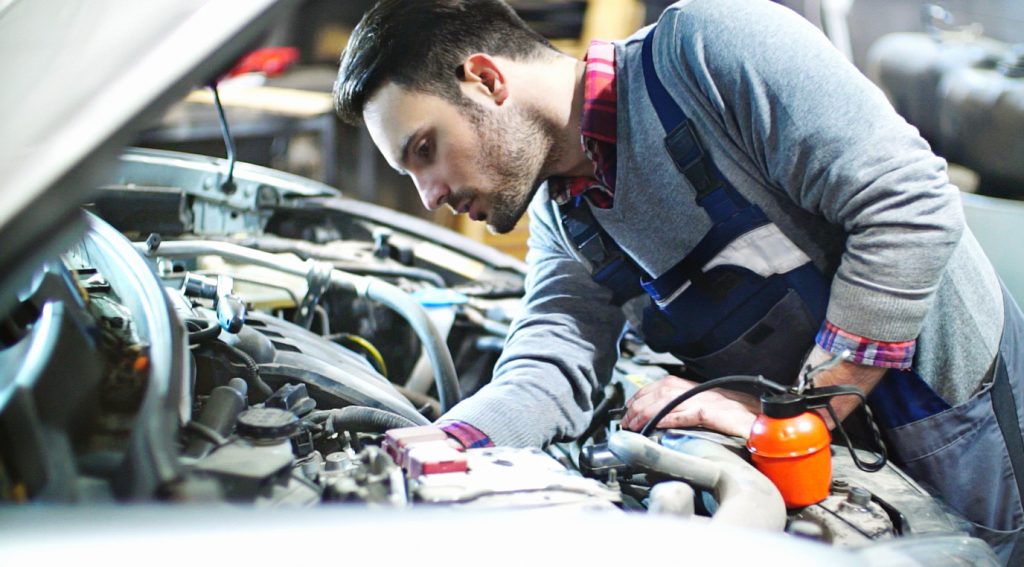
[{"x": 79, "y": 79}]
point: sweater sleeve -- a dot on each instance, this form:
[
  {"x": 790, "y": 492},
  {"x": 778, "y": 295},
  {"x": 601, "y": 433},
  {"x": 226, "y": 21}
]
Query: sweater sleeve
[
  {"x": 828, "y": 140},
  {"x": 561, "y": 347}
]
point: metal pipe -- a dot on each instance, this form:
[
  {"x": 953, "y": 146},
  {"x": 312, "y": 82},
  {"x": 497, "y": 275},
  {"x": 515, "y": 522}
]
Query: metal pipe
[
  {"x": 745, "y": 497},
  {"x": 445, "y": 378},
  {"x": 304, "y": 249}
]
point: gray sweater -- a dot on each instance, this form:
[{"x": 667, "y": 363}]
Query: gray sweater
[{"x": 800, "y": 133}]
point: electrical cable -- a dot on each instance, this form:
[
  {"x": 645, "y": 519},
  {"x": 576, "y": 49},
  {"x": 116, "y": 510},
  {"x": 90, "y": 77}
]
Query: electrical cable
[
  {"x": 252, "y": 378},
  {"x": 201, "y": 330},
  {"x": 375, "y": 357}
]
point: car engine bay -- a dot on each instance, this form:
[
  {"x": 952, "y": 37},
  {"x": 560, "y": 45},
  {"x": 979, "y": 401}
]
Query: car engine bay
[{"x": 259, "y": 344}]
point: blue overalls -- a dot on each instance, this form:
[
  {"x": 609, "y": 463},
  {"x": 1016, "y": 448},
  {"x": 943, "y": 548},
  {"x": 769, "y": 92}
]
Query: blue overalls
[{"x": 747, "y": 300}]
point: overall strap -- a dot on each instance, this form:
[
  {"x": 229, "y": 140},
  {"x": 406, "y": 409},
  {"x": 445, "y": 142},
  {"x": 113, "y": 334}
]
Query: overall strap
[
  {"x": 714, "y": 193},
  {"x": 610, "y": 266}
]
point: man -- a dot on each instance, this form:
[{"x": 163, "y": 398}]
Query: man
[{"x": 735, "y": 189}]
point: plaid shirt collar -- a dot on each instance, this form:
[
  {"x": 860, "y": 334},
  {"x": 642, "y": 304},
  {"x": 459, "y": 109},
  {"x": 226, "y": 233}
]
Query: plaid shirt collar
[{"x": 597, "y": 131}]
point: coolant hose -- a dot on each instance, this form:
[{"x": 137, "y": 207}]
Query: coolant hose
[
  {"x": 745, "y": 497},
  {"x": 363, "y": 419},
  {"x": 445, "y": 378}
]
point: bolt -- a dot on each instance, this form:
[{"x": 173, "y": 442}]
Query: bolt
[
  {"x": 336, "y": 461},
  {"x": 859, "y": 497},
  {"x": 840, "y": 485}
]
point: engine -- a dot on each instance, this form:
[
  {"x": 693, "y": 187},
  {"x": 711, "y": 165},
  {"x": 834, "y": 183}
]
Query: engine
[{"x": 278, "y": 347}]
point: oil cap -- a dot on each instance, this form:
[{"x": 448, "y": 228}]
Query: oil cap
[{"x": 267, "y": 424}]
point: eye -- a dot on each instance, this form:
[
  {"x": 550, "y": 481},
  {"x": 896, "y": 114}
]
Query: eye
[{"x": 423, "y": 150}]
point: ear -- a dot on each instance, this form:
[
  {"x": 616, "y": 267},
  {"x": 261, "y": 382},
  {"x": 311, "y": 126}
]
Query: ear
[{"x": 483, "y": 80}]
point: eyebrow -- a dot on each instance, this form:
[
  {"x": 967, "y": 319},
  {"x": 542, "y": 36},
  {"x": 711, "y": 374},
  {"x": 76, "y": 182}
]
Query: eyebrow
[{"x": 403, "y": 153}]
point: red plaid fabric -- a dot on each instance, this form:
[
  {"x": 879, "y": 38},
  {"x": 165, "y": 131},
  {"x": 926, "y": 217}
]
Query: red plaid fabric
[
  {"x": 469, "y": 436},
  {"x": 597, "y": 131},
  {"x": 866, "y": 351}
]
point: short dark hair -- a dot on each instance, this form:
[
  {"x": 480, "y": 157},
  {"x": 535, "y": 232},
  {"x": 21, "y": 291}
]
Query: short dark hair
[{"x": 421, "y": 45}]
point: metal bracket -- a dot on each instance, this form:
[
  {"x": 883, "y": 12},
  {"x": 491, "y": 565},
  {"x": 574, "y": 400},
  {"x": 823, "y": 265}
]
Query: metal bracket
[{"x": 318, "y": 279}]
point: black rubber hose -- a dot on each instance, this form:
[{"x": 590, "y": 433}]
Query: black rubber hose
[{"x": 362, "y": 419}]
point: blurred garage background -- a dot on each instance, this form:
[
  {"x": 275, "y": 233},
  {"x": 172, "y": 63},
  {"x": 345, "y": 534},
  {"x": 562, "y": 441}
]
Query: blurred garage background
[{"x": 954, "y": 69}]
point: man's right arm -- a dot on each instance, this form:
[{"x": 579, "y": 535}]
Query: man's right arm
[{"x": 560, "y": 348}]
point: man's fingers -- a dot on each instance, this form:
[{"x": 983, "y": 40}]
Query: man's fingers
[
  {"x": 658, "y": 388},
  {"x": 651, "y": 398},
  {"x": 727, "y": 412}
]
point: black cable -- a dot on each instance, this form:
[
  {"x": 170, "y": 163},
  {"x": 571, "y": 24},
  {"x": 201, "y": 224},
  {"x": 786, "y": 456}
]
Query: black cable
[
  {"x": 252, "y": 378},
  {"x": 229, "y": 185},
  {"x": 700, "y": 388},
  {"x": 207, "y": 432},
  {"x": 873, "y": 466},
  {"x": 204, "y": 330}
]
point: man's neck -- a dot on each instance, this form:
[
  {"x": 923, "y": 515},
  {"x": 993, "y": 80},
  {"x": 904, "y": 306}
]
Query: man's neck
[{"x": 558, "y": 97}]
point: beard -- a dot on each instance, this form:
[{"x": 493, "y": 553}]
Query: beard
[{"x": 516, "y": 149}]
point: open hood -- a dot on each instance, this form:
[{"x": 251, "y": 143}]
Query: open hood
[{"x": 80, "y": 79}]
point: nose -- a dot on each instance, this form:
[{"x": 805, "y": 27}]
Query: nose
[{"x": 432, "y": 192}]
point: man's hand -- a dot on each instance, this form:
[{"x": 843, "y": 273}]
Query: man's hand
[{"x": 724, "y": 411}]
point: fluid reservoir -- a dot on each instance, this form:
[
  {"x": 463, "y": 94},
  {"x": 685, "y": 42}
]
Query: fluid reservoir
[
  {"x": 789, "y": 444},
  {"x": 982, "y": 127},
  {"x": 909, "y": 67}
]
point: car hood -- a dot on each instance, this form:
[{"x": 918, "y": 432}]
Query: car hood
[{"x": 80, "y": 79}]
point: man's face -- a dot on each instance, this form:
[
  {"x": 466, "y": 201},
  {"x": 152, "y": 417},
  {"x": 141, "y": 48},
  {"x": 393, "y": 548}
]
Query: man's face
[{"x": 487, "y": 162}]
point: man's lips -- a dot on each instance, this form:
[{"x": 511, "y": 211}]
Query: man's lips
[
  {"x": 469, "y": 206},
  {"x": 476, "y": 213}
]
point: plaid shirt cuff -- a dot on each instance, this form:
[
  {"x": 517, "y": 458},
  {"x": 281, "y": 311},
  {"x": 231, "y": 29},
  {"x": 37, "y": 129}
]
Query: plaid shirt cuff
[
  {"x": 866, "y": 351},
  {"x": 469, "y": 436}
]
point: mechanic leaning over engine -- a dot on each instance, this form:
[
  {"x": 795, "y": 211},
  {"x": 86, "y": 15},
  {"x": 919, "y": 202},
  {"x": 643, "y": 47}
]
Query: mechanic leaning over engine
[{"x": 728, "y": 184}]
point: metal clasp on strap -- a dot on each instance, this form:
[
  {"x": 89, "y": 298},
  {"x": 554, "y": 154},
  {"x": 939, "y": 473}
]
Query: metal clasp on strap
[{"x": 609, "y": 265}]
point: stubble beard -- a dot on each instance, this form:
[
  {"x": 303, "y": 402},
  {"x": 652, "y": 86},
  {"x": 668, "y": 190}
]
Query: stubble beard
[{"x": 516, "y": 150}]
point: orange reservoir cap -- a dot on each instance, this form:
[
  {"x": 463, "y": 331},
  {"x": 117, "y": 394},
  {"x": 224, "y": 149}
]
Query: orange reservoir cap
[{"x": 790, "y": 446}]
